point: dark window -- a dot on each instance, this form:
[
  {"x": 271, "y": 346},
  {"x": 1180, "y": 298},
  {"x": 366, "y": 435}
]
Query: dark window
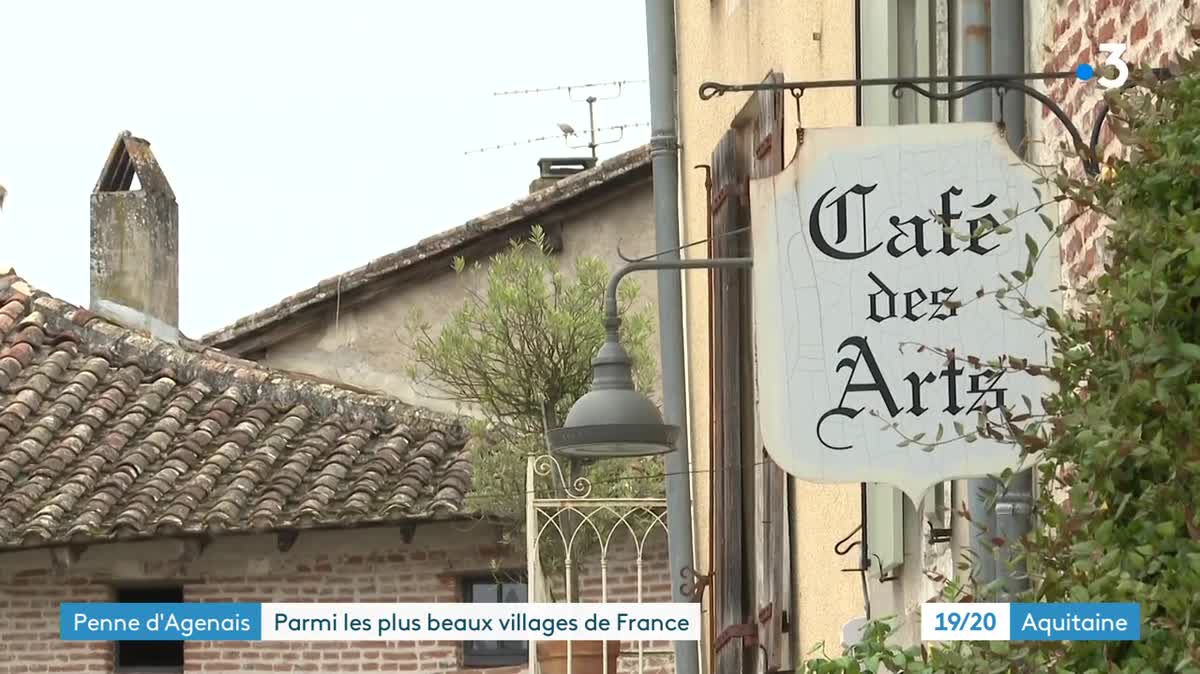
[
  {"x": 497, "y": 589},
  {"x": 149, "y": 656}
]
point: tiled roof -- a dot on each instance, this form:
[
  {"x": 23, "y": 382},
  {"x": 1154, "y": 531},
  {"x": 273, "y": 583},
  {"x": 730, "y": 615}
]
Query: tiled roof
[
  {"x": 619, "y": 170},
  {"x": 107, "y": 433}
]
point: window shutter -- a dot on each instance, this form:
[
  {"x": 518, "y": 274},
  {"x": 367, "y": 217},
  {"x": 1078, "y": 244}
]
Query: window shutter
[
  {"x": 774, "y": 556},
  {"x": 885, "y": 528},
  {"x": 726, "y": 331},
  {"x": 750, "y": 493}
]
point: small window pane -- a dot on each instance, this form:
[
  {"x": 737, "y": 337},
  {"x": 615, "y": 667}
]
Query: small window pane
[
  {"x": 515, "y": 593},
  {"x": 484, "y": 592},
  {"x": 500, "y": 588}
]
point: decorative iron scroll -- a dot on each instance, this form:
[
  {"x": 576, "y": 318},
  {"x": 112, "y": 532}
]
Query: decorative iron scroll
[
  {"x": 613, "y": 539},
  {"x": 548, "y": 466},
  {"x": 999, "y": 84}
]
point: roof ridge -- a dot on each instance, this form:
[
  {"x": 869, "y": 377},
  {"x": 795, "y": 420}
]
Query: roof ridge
[
  {"x": 528, "y": 206},
  {"x": 129, "y": 345}
]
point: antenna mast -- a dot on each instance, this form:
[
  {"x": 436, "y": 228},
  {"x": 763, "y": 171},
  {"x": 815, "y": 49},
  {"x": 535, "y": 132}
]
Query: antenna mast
[{"x": 568, "y": 131}]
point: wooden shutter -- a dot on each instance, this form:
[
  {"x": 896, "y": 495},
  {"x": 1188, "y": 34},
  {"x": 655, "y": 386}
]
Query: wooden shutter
[
  {"x": 731, "y": 595},
  {"x": 774, "y": 552},
  {"x": 750, "y": 493}
]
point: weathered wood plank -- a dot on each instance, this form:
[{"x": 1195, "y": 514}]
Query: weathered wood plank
[
  {"x": 730, "y": 608},
  {"x": 773, "y": 547}
]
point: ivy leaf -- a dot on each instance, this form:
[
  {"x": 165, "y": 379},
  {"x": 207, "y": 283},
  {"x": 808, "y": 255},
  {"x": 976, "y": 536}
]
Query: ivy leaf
[
  {"x": 1190, "y": 350},
  {"x": 1177, "y": 370}
]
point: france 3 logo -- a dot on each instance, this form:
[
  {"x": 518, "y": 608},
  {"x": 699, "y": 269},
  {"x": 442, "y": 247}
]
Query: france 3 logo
[{"x": 1115, "y": 50}]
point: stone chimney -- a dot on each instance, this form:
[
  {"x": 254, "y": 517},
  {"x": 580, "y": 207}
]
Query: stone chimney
[
  {"x": 554, "y": 169},
  {"x": 135, "y": 242}
]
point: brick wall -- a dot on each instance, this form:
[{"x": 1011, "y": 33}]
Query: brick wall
[
  {"x": 324, "y": 568},
  {"x": 1070, "y": 33}
]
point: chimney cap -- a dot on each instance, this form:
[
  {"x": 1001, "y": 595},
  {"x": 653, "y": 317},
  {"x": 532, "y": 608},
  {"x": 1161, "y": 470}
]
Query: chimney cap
[
  {"x": 560, "y": 167},
  {"x": 128, "y": 157}
]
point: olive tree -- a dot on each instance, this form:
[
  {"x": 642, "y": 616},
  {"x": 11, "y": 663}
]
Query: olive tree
[{"x": 516, "y": 355}]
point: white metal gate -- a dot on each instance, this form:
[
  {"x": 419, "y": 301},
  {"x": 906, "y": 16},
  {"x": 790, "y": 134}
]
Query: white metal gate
[{"x": 603, "y": 549}]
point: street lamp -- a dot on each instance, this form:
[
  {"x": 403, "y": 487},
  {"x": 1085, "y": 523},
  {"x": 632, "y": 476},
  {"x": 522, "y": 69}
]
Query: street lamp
[{"x": 613, "y": 420}]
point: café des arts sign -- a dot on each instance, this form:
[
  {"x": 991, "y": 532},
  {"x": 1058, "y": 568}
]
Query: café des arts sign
[{"x": 852, "y": 261}]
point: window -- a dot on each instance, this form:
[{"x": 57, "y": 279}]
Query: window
[
  {"x": 150, "y": 656},
  {"x": 500, "y": 588}
]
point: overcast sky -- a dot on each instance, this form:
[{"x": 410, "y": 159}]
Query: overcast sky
[{"x": 302, "y": 139}]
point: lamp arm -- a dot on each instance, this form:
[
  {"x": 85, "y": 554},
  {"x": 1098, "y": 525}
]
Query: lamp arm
[{"x": 612, "y": 316}]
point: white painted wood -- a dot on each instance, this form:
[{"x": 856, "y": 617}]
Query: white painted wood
[{"x": 808, "y": 304}]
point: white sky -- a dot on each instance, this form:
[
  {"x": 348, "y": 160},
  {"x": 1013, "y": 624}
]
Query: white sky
[{"x": 302, "y": 139}]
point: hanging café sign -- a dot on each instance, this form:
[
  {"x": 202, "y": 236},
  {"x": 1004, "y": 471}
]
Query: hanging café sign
[{"x": 870, "y": 250}]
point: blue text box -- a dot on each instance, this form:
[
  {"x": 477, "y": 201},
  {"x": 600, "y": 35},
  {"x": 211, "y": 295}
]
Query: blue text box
[
  {"x": 160, "y": 622},
  {"x": 1075, "y": 622}
]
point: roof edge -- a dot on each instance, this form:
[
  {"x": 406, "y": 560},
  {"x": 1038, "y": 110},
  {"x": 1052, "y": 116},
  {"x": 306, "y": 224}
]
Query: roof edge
[
  {"x": 560, "y": 193},
  {"x": 123, "y": 344}
]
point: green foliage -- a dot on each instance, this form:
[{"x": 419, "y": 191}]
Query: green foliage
[
  {"x": 517, "y": 354},
  {"x": 1120, "y": 469}
]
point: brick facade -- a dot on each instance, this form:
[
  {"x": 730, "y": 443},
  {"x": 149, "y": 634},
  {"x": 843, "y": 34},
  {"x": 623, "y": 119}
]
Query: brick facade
[
  {"x": 1071, "y": 33},
  {"x": 350, "y": 566}
]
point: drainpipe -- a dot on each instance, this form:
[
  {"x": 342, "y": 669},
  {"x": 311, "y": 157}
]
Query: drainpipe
[
  {"x": 973, "y": 49},
  {"x": 976, "y": 53},
  {"x": 973, "y": 54},
  {"x": 1014, "y": 506},
  {"x": 1008, "y": 56},
  {"x": 664, "y": 157}
]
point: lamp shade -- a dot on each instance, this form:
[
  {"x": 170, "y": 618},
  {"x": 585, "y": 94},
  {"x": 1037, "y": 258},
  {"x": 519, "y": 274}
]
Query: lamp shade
[{"x": 613, "y": 420}]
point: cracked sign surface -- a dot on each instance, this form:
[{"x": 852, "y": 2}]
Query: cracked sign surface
[{"x": 854, "y": 271}]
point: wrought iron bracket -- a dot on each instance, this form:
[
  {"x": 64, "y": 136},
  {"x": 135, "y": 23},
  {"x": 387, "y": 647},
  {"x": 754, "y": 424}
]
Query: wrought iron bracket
[
  {"x": 884, "y": 578},
  {"x": 746, "y": 632},
  {"x": 999, "y": 84},
  {"x": 612, "y": 314},
  {"x": 713, "y": 89},
  {"x": 938, "y": 535},
  {"x": 733, "y": 232},
  {"x": 844, "y": 546},
  {"x": 693, "y": 582}
]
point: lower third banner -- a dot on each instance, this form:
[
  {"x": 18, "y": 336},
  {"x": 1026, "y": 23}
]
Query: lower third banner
[
  {"x": 1031, "y": 622},
  {"x": 378, "y": 622}
]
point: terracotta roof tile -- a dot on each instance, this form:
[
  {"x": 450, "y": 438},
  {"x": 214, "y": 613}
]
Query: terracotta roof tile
[{"x": 107, "y": 433}]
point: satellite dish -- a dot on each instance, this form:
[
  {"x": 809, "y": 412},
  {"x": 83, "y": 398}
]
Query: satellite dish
[{"x": 567, "y": 129}]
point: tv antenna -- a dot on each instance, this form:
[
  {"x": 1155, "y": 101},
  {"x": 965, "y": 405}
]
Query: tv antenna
[{"x": 567, "y": 131}]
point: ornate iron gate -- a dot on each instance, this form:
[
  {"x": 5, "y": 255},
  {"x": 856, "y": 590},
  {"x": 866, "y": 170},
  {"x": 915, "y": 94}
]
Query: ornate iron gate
[{"x": 601, "y": 550}]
